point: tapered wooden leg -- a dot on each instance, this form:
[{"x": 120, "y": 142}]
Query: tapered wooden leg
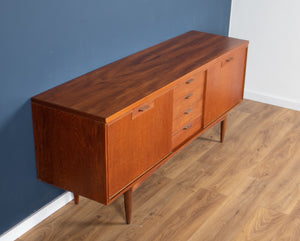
[
  {"x": 128, "y": 205},
  {"x": 76, "y": 198},
  {"x": 223, "y": 128}
]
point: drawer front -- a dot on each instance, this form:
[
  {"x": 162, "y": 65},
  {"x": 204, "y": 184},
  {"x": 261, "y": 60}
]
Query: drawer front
[
  {"x": 192, "y": 80},
  {"x": 190, "y": 87},
  {"x": 187, "y": 130},
  {"x": 188, "y": 113},
  {"x": 188, "y": 100}
]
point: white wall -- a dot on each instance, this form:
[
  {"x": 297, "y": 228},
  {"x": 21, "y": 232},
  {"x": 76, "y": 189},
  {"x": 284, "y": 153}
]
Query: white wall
[{"x": 273, "y": 68}]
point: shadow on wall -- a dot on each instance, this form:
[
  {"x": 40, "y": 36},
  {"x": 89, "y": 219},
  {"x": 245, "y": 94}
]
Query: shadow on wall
[{"x": 18, "y": 168}]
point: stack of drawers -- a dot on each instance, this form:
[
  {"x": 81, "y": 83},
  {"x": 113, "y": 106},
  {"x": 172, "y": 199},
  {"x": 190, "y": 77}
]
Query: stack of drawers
[{"x": 187, "y": 108}]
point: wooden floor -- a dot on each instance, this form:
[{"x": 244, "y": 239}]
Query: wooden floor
[{"x": 247, "y": 188}]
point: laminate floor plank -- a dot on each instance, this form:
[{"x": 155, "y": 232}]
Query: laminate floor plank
[
  {"x": 116, "y": 225},
  {"x": 185, "y": 220},
  {"x": 282, "y": 168},
  {"x": 247, "y": 188},
  {"x": 230, "y": 162},
  {"x": 262, "y": 226},
  {"x": 175, "y": 166},
  {"x": 296, "y": 211},
  {"x": 226, "y": 222},
  {"x": 290, "y": 230},
  {"x": 163, "y": 204}
]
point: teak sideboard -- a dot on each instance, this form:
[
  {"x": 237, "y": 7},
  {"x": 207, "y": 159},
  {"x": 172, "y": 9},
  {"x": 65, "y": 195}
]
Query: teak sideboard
[{"x": 102, "y": 134}]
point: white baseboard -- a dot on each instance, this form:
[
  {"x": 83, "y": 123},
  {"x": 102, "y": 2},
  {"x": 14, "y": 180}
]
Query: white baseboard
[
  {"x": 272, "y": 100},
  {"x": 37, "y": 217}
]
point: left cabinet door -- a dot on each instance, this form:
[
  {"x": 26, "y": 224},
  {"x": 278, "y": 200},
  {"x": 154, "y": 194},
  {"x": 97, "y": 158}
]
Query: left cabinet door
[{"x": 138, "y": 141}]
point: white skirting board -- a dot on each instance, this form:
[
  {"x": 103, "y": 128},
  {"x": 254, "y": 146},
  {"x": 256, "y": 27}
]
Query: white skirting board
[
  {"x": 37, "y": 217},
  {"x": 272, "y": 100}
]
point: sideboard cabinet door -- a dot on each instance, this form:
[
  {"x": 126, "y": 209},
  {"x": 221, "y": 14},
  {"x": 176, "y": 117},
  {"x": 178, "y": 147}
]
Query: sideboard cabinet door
[
  {"x": 224, "y": 86},
  {"x": 138, "y": 141}
]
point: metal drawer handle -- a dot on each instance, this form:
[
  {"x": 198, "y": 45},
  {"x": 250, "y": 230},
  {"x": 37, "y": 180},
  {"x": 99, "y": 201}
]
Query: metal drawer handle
[
  {"x": 189, "y": 96},
  {"x": 189, "y": 81},
  {"x": 144, "y": 108},
  {"x": 188, "y": 111},
  {"x": 187, "y": 127}
]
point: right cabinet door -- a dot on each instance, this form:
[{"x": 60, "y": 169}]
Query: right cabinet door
[{"x": 224, "y": 85}]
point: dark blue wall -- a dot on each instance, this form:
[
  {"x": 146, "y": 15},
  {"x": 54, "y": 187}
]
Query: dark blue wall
[{"x": 45, "y": 43}]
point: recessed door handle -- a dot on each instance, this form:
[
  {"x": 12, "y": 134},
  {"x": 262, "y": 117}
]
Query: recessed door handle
[
  {"x": 229, "y": 59},
  {"x": 189, "y": 81},
  {"x": 140, "y": 110},
  {"x": 144, "y": 108}
]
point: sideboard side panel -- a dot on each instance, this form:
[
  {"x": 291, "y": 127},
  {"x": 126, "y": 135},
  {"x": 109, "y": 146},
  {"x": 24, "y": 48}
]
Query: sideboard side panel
[{"x": 70, "y": 151}]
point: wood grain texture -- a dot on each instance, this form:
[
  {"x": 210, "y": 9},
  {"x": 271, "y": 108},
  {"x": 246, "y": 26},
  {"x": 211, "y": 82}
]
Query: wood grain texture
[
  {"x": 188, "y": 112},
  {"x": 135, "y": 146},
  {"x": 262, "y": 225},
  {"x": 224, "y": 85},
  {"x": 194, "y": 210},
  {"x": 125, "y": 82},
  {"x": 186, "y": 130},
  {"x": 70, "y": 152},
  {"x": 243, "y": 189},
  {"x": 187, "y": 107},
  {"x": 188, "y": 96},
  {"x": 102, "y": 134}
]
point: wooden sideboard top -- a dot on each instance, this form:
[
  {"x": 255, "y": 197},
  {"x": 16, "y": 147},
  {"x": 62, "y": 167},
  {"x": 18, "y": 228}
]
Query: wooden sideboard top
[{"x": 109, "y": 91}]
